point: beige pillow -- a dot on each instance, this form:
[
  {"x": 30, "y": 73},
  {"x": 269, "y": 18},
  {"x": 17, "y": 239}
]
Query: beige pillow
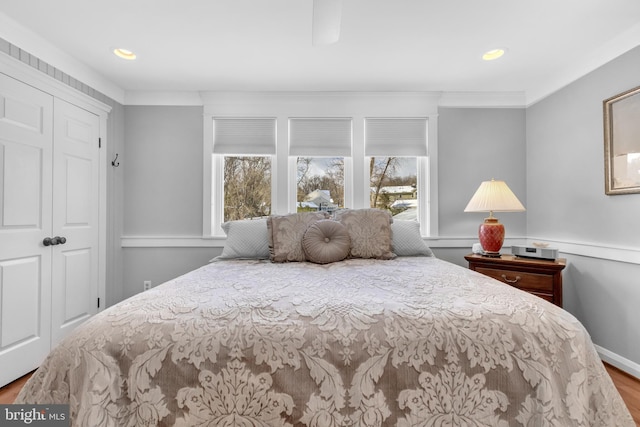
[
  {"x": 286, "y": 232},
  {"x": 370, "y": 232},
  {"x": 326, "y": 241}
]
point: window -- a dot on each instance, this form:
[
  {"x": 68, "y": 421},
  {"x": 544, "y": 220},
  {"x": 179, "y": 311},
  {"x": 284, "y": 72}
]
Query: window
[
  {"x": 247, "y": 187},
  {"x": 319, "y": 183},
  {"x": 319, "y": 147},
  {"x": 243, "y": 150},
  {"x": 394, "y": 185},
  {"x": 396, "y": 150}
]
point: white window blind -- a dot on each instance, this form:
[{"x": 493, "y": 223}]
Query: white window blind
[
  {"x": 395, "y": 137},
  {"x": 323, "y": 137},
  {"x": 244, "y": 135}
]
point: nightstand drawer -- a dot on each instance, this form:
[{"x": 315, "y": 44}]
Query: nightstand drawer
[
  {"x": 538, "y": 277},
  {"x": 521, "y": 280},
  {"x": 548, "y": 297}
]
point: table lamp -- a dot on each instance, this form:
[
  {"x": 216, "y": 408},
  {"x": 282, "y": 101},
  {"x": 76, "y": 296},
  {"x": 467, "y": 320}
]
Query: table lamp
[{"x": 493, "y": 196}]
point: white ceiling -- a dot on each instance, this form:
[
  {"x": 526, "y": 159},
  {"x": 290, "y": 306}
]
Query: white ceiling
[{"x": 385, "y": 45}]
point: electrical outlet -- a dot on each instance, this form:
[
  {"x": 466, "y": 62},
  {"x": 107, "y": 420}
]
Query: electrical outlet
[{"x": 146, "y": 285}]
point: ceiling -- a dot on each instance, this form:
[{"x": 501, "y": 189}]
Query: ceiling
[{"x": 384, "y": 45}]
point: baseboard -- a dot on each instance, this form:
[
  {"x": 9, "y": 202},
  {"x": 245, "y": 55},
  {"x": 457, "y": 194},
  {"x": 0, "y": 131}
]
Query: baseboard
[{"x": 619, "y": 362}]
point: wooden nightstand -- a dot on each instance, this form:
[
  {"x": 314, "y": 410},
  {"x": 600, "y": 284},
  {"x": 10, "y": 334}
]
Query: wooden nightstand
[{"x": 536, "y": 276}]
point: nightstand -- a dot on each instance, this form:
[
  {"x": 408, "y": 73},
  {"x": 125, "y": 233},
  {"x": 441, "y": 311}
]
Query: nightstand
[{"x": 536, "y": 276}]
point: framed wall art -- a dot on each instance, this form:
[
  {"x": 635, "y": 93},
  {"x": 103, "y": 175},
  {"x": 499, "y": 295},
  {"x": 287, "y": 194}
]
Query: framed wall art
[{"x": 622, "y": 142}]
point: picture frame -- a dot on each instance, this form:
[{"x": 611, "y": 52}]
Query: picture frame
[{"x": 622, "y": 142}]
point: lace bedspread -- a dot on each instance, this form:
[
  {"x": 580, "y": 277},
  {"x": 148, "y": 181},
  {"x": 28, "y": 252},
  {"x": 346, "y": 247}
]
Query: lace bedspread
[{"x": 407, "y": 342}]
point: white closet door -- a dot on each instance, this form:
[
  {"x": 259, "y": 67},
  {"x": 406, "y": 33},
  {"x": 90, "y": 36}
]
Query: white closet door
[
  {"x": 25, "y": 220},
  {"x": 76, "y": 204}
]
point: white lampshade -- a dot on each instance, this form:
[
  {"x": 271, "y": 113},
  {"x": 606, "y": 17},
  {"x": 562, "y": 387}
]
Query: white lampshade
[{"x": 494, "y": 196}]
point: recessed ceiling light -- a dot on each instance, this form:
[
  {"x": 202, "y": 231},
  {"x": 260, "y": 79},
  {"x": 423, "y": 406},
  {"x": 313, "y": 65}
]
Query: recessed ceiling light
[
  {"x": 124, "y": 54},
  {"x": 493, "y": 54}
]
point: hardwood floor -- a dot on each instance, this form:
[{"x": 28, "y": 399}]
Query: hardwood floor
[
  {"x": 628, "y": 386},
  {"x": 9, "y": 392}
]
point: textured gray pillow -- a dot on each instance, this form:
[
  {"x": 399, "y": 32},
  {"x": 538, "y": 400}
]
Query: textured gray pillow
[
  {"x": 407, "y": 240},
  {"x": 246, "y": 239},
  {"x": 285, "y": 233},
  {"x": 370, "y": 232},
  {"x": 326, "y": 241}
]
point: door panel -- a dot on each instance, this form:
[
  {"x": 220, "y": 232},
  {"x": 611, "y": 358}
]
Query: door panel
[
  {"x": 19, "y": 288},
  {"x": 26, "y": 147},
  {"x": 22, "y": 179},
  {"x": 75, "y": 217},
  {"x": 77, "y": 274},
  {"x": 78, "y": 208},
  {"x": 18, "y": 112}
]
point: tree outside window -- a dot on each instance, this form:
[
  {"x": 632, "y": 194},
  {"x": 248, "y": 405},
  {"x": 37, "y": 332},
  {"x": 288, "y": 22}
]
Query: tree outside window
[
  {"x": 247, "y": 187},
  {"x": 394, "y": 185}
]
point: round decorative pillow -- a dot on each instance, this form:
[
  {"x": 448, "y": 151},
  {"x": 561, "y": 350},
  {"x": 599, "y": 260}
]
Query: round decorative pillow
[{"x": 326, "y": 241}]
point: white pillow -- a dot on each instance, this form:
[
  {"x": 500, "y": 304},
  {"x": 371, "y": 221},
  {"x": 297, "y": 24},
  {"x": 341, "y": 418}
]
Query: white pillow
[
  {"x": 406, "y": 239},
  {"x": 246, "y": 239}
]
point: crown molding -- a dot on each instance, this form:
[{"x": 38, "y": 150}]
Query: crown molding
[
  {"x": 483, "y": 99},
  {"x": 31, "y": 76},
  {"x": 44, "y": 50},
  {"x": 158, "y": 98},
  {"x": 442, "y": 99}
]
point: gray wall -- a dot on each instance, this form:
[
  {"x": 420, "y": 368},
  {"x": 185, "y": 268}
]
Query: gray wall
[
  {"x": 163, "y": 173},
  {"x": 565, "y": 162},
  {"x": 475, "y": 145},
  {"x": 162, "y": 165},
  {"x": 566, "y": 203},
  {"x": 160, "y": 264},
  {"x": 115, "y": 202}
]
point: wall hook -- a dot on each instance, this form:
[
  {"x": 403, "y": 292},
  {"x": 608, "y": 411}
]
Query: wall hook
[{"x": 115, "y": 162}]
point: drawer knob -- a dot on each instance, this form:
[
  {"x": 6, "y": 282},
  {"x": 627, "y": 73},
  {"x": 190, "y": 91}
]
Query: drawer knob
[{"x": 504, "y": 277}]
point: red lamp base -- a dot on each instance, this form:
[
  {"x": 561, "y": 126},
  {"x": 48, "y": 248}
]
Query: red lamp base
[{"x": 491, "y": 234}]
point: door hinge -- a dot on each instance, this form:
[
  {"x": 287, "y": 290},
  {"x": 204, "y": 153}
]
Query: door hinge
[
  {"x": 99, "y": 142},
  {"x": 98, "y": 302}
]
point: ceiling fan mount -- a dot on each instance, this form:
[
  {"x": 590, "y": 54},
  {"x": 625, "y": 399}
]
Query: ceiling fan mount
[{"x": 327, "y": 16}]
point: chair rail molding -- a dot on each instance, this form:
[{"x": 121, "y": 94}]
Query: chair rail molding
[{"x": 591, "y": 250}]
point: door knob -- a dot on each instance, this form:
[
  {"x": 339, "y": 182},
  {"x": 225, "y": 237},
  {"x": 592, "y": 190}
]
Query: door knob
[
  {"x": 52, "y": 241},
  {"x": 58, "y": 240}
]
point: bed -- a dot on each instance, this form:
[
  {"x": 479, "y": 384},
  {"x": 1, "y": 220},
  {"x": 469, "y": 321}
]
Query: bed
[{"x": 401, "y": 338}]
